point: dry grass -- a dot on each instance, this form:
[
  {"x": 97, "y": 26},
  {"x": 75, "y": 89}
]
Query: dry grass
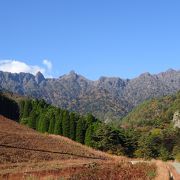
[
  {"x": 80, "y": 170},
  {"x": 117, "y": 171},
  {"x": 76, "y": 162},
  {"x": 13, "y": 134}
]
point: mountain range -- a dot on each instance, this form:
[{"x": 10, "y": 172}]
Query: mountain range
[{"x": 109, "y": 98}]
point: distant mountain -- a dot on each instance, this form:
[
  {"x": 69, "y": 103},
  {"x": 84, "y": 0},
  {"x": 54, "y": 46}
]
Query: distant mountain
[{"x": 108, "y": 98}]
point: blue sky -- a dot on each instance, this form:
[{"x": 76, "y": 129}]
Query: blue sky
[{"x": 93, "y": 37}]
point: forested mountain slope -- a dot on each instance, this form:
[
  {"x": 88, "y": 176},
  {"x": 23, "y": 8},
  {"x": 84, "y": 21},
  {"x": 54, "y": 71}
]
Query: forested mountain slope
[
  {"x": 156, "y": 139},
  {"x": 156, "y": 112},
  {"x": 107, "y": 98}
]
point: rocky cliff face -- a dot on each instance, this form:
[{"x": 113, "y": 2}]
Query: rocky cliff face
[
  {"x": 176, "y": 119},
  {"x": 107, "y": 98}
]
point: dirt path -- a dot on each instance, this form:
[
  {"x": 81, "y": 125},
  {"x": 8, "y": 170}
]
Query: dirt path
[
  {"x": 177, "y": 167},
  {"x": 174, "y": 170},
  {"x": 165, "y": 171}
]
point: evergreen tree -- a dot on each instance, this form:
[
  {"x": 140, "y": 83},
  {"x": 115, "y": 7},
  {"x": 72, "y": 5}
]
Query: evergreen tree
[
  {"x": 66, "y": 124},
  {"x": 81, "y": 130},
  {"x": 164, "y": 154},
  {"x": 27, "y": 108},
  {"x": 106, "y": 138},
  {"x": 90, "y": 122},
  {"x": 44, "y": 123},
  {"x": 21, "y": 108},
  {"x": 32, "y": 119},
  {"x": 149, "y": 145},
  {"x": 30, "y": 122},
  {"x": 89, "y": 136},
  {"x": 58, "y": 122},
  {"x": 131, "y": 137},
  {"x": 90, "y": 119},
  {"x": 42, "y": 104},
  {"x": 24, "y": 121},
  {"x": 51, "y": 116},
  {"x": 73, "y": 121}
]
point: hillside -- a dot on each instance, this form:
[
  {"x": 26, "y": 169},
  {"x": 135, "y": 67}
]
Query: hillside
[
  {"x": 106, "y": 98},
  {"x": 19, "y": 137},
  {"x": 156, "y": 112},
  {"x": 26, "y": 154},
  {"x": 125, "y": 140}
]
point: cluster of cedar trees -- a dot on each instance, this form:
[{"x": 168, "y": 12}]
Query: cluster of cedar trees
[
  {"x": 46, "y": 118},
  {"x": 163, "y": 143},
  {"x": 39, "y": 115}
]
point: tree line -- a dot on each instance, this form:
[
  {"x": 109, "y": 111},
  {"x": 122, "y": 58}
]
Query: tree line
[
  {"x": 88, "y": 130},
  {"x": 39, "y": 115},
  {"x": 156, "y": 142}
]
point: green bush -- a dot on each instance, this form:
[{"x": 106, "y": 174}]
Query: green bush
[
  {"x": 177, "y": 157},
  {"x": 164, "y": 154}
]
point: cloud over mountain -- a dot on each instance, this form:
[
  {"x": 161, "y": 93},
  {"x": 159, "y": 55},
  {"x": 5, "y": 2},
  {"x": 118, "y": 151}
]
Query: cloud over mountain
[
  {"x": 15, "y": 66},
  {"x": 48, "y": 64}
]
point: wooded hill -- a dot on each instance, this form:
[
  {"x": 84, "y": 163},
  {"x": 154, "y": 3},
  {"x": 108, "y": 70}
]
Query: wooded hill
[
  {"x": 157, "y": 112},
  {"x": 161, "y": 142}
]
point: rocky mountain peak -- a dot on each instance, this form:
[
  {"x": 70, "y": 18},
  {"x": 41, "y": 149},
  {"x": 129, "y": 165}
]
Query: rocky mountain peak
[
  {"x": 106, "y": 98},
  {"x": 146, "y": 74},
  {"x": 39, "y": 77},
  {"x": 170, "y": 70},
  {"x": 72, "y": 74}
]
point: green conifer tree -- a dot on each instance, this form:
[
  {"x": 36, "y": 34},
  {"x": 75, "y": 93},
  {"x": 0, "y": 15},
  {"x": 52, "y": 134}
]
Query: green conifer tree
[
  {"x": 66, "y": 124},
  {"x": 43, "y": 123},
  {"x": 52, "y": 121},
  {"x": 81, "y": 130},
  {"x": 89, "y": 136},
  {"x": 58, "y": 122},
  {"x": 21, "y": 108},
  {"x": 27, "y": 108},
  {"x": 73, "y": 122}
]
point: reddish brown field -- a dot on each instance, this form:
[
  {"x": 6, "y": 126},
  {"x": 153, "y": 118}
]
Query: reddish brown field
[
  {"x": 27, "y": 154},
  {"x": 18, "y": 136}
]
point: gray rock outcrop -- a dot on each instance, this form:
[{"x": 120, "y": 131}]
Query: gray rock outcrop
[{"x": 176, "y": 119}]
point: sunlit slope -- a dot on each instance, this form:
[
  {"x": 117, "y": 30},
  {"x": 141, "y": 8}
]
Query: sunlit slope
[{"x": 21, "y": 144}]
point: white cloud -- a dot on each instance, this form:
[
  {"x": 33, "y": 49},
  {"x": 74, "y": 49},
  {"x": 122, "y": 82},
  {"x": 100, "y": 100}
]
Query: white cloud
[
  {"x": 15, "y": 66},
  {"x": 48, "y": 64}
]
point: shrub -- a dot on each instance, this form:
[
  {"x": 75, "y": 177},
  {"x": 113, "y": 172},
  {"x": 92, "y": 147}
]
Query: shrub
[{"x": 178, "y": 157}]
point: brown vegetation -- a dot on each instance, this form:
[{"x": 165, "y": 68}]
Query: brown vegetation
[
  {"x": 23, "y": 138},
  {"x": 32, "y": 155}
]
